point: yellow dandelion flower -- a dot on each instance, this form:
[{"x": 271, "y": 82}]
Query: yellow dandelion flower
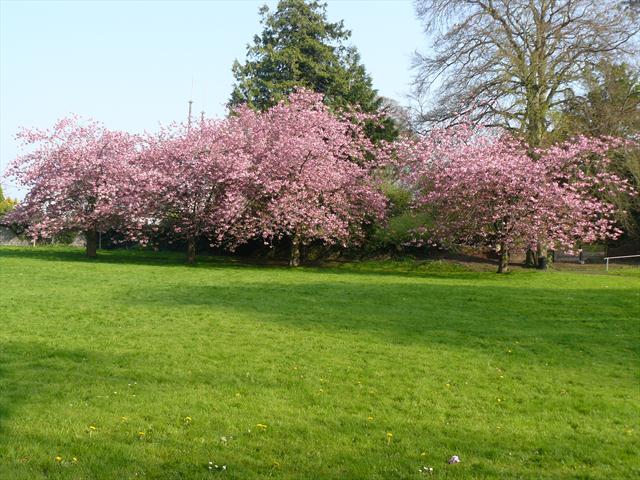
[
  {"x": 261, "y": 426},
  {"x": 58, "y": 459},
  {"x": 74, "y": 460},
  {"x": 389, "y": 437},
  {"x": 92, "y": 427},
  {"x": 369, "y": 418}
]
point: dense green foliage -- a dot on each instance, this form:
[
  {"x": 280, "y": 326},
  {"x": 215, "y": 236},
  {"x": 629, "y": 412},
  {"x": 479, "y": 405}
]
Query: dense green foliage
[
  {"x": 299, "y": 47},
  {"x": 400, "y": 228},
  {"x": 140, "y": 367},
  {"x": 6, "y": 203},
  {"x": 610, "y": 104}
]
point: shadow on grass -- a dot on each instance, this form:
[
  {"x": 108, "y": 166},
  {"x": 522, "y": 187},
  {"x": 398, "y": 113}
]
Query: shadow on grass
[
  {"x": 482, "y": 318},
  {"x": 37, "y": 381},
  {"x": 453, "y": 266},
  {"x": 120, "y": 256},
  {"x": 31, "y": 372},
  {"x": 406, "y": 268}
]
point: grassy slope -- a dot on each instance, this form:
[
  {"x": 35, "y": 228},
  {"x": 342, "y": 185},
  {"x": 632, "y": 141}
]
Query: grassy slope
[{"x": 531, "y": 375}]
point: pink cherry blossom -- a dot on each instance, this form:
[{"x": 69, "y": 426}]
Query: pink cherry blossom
[
  {"x": 80, "y": 177},
  {"x": 314, "y": 172},
  {"x": 195, "y": 182},
  {"x": 483, "y": 189}
]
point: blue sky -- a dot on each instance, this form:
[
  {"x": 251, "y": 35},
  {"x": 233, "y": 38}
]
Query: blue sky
[{"x": 131, "y": 64}]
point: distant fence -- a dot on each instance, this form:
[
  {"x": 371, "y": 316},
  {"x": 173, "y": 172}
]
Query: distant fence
[
  {"x": 585, "y": 256},
  {"x": 623, "y": 257}
]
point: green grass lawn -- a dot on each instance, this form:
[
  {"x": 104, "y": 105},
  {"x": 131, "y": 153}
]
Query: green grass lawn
[{"x": 135, "y": 366}]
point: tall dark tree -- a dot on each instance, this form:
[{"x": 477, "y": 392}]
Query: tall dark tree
[{"x": 299, "y": 47}]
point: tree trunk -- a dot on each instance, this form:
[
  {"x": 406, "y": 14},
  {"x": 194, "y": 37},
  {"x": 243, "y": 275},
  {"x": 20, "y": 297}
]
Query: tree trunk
[
  {"x": 191, "y": 250},
  {"x": 91, "y": 238},
  {"x": 542, "y": 257},
  {"x": 535, "y": 114},
  {"x": 534, "y": 126},
  {"x": 294, "y": 261},
  {"x": 503, "y": 262},
  {"x": 531, "y": 261}
]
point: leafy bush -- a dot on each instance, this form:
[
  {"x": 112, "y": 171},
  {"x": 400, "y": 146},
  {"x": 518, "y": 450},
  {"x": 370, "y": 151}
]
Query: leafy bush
[{"x": 6, "y": 204}]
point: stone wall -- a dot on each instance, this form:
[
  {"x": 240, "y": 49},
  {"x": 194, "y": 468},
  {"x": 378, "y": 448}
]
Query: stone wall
[
  {"x": 8, "y": 237},
  {"x": 79, "y": 241}
]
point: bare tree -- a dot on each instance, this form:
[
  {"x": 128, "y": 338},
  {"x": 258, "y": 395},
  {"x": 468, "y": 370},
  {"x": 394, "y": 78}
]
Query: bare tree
[
  {"x": 400, "y": 114},
  {"x": 512, "y": 62}
]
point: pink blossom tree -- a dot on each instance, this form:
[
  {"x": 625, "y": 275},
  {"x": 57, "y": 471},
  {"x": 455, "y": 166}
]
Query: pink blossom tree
[
  {"x": 486, "y": 190},
  {"x": 196, "y": 183},
  {"x": 314, "y": 173},
  {"x": 79, "y": 177}
]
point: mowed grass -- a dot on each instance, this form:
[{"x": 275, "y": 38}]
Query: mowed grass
[{"x": 141, "y": 367}]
